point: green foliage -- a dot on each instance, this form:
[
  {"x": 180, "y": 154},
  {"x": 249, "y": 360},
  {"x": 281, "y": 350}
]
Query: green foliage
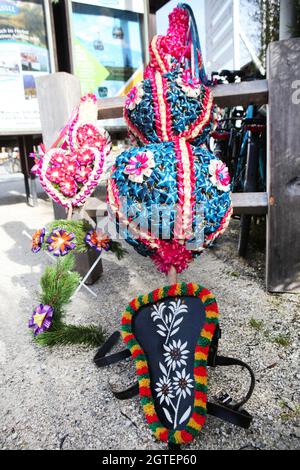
[
  {"x": 78, "y": 227},
  {"x": 292, "y": 411},
  {"x": 62, "y": 334},
  {"x": 256, "y": 324},
  {"x": 235, "y": 274},
  {"x": 295, "y": 28},
  {"x": 282, "y": 340},
  {"x": 118, "y": 250},
  {"x": 58, "y": 284},
  {"x": 267, "y": 13}
]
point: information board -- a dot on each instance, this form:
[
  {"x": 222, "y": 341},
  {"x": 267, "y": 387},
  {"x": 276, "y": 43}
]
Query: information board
[
  {"x": 24, "y": 56},
  {"x": 107, "y": 46}
]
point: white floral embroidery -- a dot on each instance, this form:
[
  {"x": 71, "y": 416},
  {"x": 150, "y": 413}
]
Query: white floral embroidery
[
  {"x": 183, "y": 383},
  {"x": 176, "y": 354},
  {"x": 164, "y": 390},
  {"x": 175, "y": 384}
]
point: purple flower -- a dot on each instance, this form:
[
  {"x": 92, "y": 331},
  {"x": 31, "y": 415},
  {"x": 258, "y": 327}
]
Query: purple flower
[
  {"x": 98, "y": 240},
  {"x": 37, "y": 240},
  {"x": 60, "y": 242},
  {"x": 41, "y": 319}
]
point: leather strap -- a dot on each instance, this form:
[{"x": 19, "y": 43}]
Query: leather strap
[
  {"x": 231, "y": 413},
  {"x": 130, "y": 392},
  {"x": 230, "y": 361},
  {"x": 101, "y": 360},
  {"x": 238, "y": 417}
]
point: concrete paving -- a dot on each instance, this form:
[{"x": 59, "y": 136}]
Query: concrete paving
[{"x": 57, "y": 399}]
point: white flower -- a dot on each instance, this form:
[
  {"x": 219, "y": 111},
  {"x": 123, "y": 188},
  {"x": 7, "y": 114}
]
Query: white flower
[
  {"x": 164, "y": 390},
  {"x": 219, "y": 175},
  {"x": 183, "y": 383},
  {"x": 140, "y": 165},
  {"x": 176, "y": 354}
]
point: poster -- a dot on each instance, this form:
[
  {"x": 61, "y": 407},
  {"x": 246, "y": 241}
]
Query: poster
[
  {"x": 24, "y": 56},
  {"x": 107, "y": 47}
]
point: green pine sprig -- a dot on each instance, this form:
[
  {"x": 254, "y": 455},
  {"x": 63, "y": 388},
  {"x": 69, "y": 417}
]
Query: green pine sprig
[
  {"x": 117, "y": 249},
  {"x": 78, "y": 227},
  {"x": 58, "y": 283},
  {"x": 63, "y": 334}
]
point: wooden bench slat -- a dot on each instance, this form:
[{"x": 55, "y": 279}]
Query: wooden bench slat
[
  {"x": 243, "y": 203},
  {"x": 236, "y": 94},
  {"x": 250, "y": 203},
  {"x": 242, "y": 94}
]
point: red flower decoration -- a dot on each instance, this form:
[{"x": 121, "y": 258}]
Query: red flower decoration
[
  {"x": 54, "y": 174},
  {"x": 172, "y": 254},
  {"x": 82, "y": 174},
  {"x": 68, "y": 187},
  {"x": 84, "y": 156}
]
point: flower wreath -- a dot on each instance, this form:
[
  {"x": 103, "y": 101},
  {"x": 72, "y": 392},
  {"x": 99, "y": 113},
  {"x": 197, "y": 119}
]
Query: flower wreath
[
  {"x": 71, "y": 169},
  {"x": 64, "y": 239}
]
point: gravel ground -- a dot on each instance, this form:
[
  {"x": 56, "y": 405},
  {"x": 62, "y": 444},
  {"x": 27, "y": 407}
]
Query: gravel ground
[{"x": 57, "y": 399}]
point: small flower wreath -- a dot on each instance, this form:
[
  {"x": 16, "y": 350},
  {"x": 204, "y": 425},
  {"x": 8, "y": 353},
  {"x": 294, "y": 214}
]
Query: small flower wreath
[
  {"x": 64, "y": 239},
  {"x": 64, "y": 236}
]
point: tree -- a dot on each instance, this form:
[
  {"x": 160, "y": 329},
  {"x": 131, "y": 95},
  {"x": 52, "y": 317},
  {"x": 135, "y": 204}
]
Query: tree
[{"x": 267, "y": 13}]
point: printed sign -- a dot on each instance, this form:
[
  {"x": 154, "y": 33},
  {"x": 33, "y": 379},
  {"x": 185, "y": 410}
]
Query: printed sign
[
  {"x": 107, "y": 47},
  {"x": 24, "y": 56}
]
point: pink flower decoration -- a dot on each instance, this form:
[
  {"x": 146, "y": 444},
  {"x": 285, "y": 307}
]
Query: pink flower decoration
[
  {"x": 87, "y": 135},
  {"x": 134, "y": 97},
  {"x": 70, "y": 167},
  {"x": 219, "y": 175},
  {"x": 189, "y": 84},
  {"x": 58, "y": 158},
  {"x": 54, "y": 174},
  {"x": 84, "y": 156},
  {"x": 68, "y": 187},
  {"x": 82, "y": 174},
  {"x": 172, "y": 253},
  {"x": 139, "y": 166}
]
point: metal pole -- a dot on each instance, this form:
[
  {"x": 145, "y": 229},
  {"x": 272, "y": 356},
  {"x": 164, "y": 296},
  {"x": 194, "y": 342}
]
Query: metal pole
[
  {"x": 146, "y": 30},
  {"x": 287, "y": 18}
]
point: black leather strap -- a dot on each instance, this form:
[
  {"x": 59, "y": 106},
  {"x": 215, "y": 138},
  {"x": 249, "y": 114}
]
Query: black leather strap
[
  {"x": 213, "y": 349},
  {"x": 238, "y": 417},
  {"x": 101, "y": 360},
  {"x": 130, "y": 392},
  {"x": 230, "y": 361},
  {"x": 232, "y": 413}
]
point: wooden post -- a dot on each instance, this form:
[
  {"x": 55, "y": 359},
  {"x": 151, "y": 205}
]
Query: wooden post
[
  {"x": 283, "y": 239},
  {"x": 172, "y": 276},
  {"x": 58, "y": 94},
  {"x": 287, "y": 18}
]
